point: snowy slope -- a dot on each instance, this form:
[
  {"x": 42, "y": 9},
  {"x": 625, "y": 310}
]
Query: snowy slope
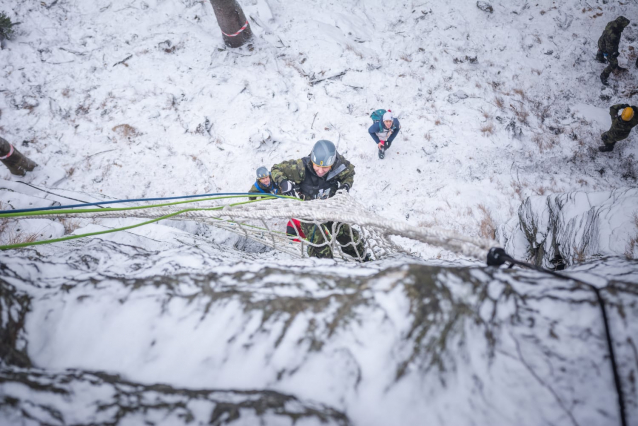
[{"x": 186, "y": 115}]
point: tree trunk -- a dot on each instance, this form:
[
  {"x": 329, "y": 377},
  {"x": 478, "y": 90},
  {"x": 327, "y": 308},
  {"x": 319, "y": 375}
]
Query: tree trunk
[
  {"x": 232, "y": 21},
  {"x": 16, "y": 162}
]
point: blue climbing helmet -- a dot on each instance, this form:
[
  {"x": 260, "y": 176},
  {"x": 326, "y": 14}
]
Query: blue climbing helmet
[
  {"x": 324, "y": 153},
  {"x": 262, "y": 172}
]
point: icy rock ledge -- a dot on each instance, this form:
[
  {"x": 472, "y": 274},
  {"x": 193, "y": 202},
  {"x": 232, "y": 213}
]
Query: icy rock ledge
[{"x": 573, "y": 227}]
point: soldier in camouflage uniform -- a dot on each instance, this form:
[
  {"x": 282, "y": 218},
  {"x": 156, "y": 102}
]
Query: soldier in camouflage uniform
[
  {"x": 621, "y": 125},
  {"x": 608, "y": 46},
  {"x": 319, "y": 176}
]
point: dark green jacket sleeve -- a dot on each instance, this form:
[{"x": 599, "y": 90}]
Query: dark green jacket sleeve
[
  {"x": 613, "y": 110},
  {"x": 292, "y": 170}
]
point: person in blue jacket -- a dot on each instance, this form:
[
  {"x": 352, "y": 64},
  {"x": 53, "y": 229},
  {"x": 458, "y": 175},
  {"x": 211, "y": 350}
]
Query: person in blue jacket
[
  {"x": 264, "y": 184},
  {"x": 383, "y": 132}
]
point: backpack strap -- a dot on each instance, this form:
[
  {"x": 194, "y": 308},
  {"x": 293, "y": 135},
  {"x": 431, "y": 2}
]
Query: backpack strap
[
  {"x": 259, "y": 187},
  {"x": 274, "y": 191}
]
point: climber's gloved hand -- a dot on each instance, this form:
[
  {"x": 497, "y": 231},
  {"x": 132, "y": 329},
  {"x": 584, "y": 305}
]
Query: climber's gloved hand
[
  {"x": 344, "y": 186},
  {"x": 615, "y": 54},
  {"x": 287, "y": 188}
]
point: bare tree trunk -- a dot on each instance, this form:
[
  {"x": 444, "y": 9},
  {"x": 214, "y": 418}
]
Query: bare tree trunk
[
  {"x": 232, "y": 21},
  {"x": 17, "y": 163}
]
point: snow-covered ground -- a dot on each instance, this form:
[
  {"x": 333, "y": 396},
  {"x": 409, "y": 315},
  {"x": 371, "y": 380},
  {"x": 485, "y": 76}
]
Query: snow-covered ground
[
  {"x": 185, "y": 115},
  {"x": 129, "y": 99}
]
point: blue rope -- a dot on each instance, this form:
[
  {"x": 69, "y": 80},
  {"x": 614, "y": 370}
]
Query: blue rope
[{"x": 126, "y": 201}]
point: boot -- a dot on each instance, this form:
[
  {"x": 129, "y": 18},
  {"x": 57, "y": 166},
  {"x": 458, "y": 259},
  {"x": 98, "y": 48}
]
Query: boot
[
  {"x": 608, "y": 147},
  {"x": 603, "y": 79},
  {"x": 381, "y": 154},
  {"x": 621, "y": 69}
]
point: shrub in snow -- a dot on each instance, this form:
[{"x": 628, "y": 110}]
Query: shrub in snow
[{"x": 6, "y": 28}]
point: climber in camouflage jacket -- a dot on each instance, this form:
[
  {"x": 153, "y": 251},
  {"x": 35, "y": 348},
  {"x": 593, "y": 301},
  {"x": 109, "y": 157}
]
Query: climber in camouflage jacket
[
  {"x": 608, "y": 46},
  {"x": 311, "y": 186},
  {"x": 621, "y": 125},
  {"x": 319, "y": 176}
]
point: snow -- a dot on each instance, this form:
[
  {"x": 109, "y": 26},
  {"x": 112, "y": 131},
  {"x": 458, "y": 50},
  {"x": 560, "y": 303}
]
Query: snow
[
  {"x": 499, "y": 111},
  {"x": 590, "y": 113}
]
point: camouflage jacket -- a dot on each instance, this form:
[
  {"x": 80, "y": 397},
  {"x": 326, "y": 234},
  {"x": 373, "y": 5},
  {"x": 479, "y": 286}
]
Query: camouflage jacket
[
  {"x": 620, "y": 128},
  {"x": 608, "y": 42},
  {"x": 272, "y": 190},
  {"x": 310, "y": 185}
]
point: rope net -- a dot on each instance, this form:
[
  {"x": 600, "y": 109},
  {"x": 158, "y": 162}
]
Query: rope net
[{"x": 337, "y": 227}]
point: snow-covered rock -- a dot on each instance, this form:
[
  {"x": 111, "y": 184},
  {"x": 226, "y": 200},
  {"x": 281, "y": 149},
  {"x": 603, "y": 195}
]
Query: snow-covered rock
[
  {"x": 569, "y": 228},
  {"x": 174, "y": 335}
]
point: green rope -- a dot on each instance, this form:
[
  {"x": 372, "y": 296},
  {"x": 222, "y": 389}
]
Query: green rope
[
  {"x": 73, "y": 237},
  {"x": 79, "y": 211}
]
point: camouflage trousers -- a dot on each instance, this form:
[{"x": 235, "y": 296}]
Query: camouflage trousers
[
  {"x": 611, "y": 136},
  {"x": 321, "y": 234},
  {"x": 613, "y": 62}
]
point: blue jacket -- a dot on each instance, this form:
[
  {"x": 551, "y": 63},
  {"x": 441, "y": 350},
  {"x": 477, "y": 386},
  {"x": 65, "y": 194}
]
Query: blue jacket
[{"x": 378, "y": 129}]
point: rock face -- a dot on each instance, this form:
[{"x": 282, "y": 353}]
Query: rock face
[
  {"x": 565, "y": 229},
  {"x": 97, "y": 332},
  {"x": 164, "y": 404}
]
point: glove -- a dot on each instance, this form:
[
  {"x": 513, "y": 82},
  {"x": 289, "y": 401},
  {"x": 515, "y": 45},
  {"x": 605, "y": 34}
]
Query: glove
[
  {"x": 615, "y": 54},
  {"x": 344, "y": 186},
  {"x": 287, "y": 188}
]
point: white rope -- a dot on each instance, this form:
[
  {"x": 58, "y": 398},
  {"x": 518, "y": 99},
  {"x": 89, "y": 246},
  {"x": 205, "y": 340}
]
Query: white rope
[{"x": 340, "y": 209}]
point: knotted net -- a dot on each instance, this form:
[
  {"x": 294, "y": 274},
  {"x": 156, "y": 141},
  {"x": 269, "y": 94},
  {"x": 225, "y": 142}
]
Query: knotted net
[{"x": 341, "y": 227}]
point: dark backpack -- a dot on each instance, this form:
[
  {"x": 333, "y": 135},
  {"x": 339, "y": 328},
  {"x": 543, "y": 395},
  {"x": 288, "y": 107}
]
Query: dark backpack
[{"x": 377, "y": 115}]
